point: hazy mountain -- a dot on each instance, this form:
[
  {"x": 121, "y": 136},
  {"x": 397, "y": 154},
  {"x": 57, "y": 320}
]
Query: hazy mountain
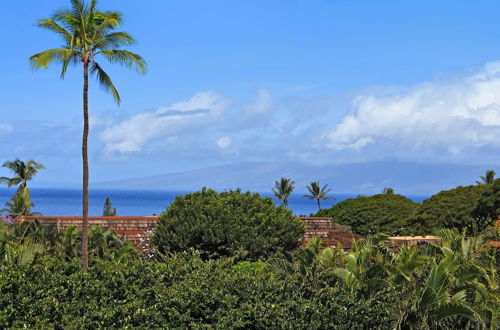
[{"x": 363, "y": 178}]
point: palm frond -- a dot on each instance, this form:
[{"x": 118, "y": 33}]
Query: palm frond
[
  {"x": 125, "y": 58},
  {"x": 51, "y": 25},
  {"x": 282, "y": 267},
  {"x": 43, "y": 59},
  {"x": 113, "y": 40},
  {"x": 109, "y": 21},
  {"x": 105, "y": 81}
]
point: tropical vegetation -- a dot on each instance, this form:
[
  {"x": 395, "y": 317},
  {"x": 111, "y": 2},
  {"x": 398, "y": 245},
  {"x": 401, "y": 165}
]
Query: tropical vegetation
[
  {"x": 488, "y": 177},
  {"x": 283, "y": 189},
  {"x": 23, "y": 172},
  {"x": 318, "y": 193},
  {"x": 88, "y": 33},
  {"x": 228, "y": 224},
  {"x": 20, "y": 203},
  {"x": 386, "y": 213},
  {"x": 471, "y": 208},
  {"x": 453, "y": 285}
]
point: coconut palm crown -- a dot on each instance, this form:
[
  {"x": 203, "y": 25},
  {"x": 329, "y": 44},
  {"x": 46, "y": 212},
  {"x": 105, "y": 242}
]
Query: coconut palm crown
[
  {"x": 88, "y": 34},
  {"x": 488, "y": 177},
  {"x": 282, "y": 189},
  {"x": 23, "y": 172},
  {"x": 318, "y": 193}
]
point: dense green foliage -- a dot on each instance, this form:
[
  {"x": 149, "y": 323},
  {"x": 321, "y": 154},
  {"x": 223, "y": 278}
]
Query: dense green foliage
[
  {"x": 181, "y": 292},
  {"x": 386, "y": 213},
  {"x": 450, "y": 286},
  {"x": 21, "y": 243},
  {"x": 470, "y": 208},
  {"x": 232, "y": 223}
]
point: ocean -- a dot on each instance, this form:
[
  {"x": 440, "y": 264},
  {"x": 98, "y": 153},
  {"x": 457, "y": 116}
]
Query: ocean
[{"x": 68, "y": 202}]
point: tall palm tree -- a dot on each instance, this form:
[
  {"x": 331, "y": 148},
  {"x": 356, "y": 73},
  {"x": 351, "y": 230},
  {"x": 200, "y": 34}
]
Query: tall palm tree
[
  {"x": 488, "y": 177},
  {"x": 23, "y": 172},
  {"x": 318, "y": 193},
  {"x": 283, "y": 188},
  {"x": 87, "y": 33}
]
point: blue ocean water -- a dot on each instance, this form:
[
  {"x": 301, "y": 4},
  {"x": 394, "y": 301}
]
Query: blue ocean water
[{"x": 68, "y": 202}]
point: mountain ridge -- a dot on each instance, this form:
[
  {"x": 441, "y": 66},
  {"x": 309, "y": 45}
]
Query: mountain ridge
[{"x": 359, "y": 178}]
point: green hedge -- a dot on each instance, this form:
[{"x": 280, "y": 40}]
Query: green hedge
[{"x": 182, "y": 292}]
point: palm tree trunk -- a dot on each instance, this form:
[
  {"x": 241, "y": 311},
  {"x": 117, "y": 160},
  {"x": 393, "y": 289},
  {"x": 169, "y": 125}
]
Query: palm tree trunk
[
  {"x": 319, "y": 206},
  {"x": 85, "y": 225}
]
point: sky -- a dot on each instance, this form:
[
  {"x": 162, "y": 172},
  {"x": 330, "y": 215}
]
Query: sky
[{"x": 313, "y": 82}]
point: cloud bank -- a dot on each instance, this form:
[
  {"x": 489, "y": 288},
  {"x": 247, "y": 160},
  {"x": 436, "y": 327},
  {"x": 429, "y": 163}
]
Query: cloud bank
[
  {"x": 450, "y": 116},
  {"x": 454, "y": 120},
  {"x": 164, "y": 123}
]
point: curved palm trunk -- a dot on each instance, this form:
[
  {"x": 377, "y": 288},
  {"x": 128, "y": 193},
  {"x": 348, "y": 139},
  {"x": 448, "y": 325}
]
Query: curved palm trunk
[{"x": 85, "y": 226}]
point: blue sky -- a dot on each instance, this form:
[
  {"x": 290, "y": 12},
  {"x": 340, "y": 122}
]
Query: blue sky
[{"x": 313, "y": 82}]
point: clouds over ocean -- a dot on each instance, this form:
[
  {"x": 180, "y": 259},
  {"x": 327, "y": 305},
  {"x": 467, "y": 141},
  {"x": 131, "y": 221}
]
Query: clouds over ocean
[
  {"x": 452, "y": 119},
  {"x": 441, "y": 119}
]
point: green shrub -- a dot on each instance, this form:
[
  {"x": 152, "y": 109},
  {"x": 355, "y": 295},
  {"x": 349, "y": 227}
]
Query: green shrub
[
  {"x": 454, "y": 208},
  {"x": 181, "y": 292},
  {"x": 387, "y": 213},
  {"x": 235, "y": 224}
]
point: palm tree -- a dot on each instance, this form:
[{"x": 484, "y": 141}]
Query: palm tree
[
  {"x": 282, "y": 189},
  {"x": 488, "y": 177},
  {"x": 23, "y": 172},
  {"x": 388, "y": 191},
  {"x": 20, "y": 204},
  {"x": 318, "y": 193},
  {"x": 88, "y": 33}
]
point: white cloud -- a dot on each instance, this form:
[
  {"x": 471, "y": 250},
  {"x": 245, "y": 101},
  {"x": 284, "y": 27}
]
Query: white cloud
[
  {"x": 224, "y": 142},
  {"x": 167, "y": 123},
  {"x": 6, "y": 129},
  {"x": 262, "y": 104},
  {"x": 454, "y": 114}
]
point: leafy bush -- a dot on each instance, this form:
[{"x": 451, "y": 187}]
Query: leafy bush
[
  {"x": 181, "y": 292},
  {"x": 21, "y": 242},
  {"x": 386, "y": 213},
  {"x": 454, "y": 208},
  {"x": 233, "y": 223}
]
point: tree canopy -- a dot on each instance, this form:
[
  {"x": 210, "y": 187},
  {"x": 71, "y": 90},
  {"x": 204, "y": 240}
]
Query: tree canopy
[
  {"x": 454, "y": 208},
  {"x": 386, "y": 213},
  {"x": 232, "y": 223},
  {"x": 23, "y": 172}
]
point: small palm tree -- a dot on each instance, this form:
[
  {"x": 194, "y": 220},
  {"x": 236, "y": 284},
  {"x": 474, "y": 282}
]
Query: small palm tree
[
  {"x": 23, "y": 172},
  {"x": 20, "y": 204},
  {"x": 488, "y": 177},
  {"x": 88, "y": 33},
  {"x": 388, "y": 191},
  {"x": 318, "y": 193},
  {"x": 283, "y": 188}
]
